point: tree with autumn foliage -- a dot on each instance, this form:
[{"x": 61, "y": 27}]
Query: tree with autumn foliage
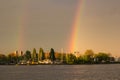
[
  {"x": 12, "y": 58},
  {"x": 3, "y": 59}
]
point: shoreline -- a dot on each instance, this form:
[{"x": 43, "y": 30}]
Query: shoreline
[{"x": 58, "y": 64}]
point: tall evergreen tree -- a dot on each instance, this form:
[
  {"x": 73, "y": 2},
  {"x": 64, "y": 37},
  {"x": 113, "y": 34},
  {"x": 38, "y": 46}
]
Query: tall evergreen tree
[
  {"x": 52, "y": 54},
  {"x": 27, "y": 55},
  {"x": 34, "y": 55},
  {"x": 41, "y": 55}
]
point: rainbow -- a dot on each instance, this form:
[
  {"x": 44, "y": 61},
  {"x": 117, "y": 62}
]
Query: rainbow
[
  {"x": 73, "y": 45},
  {"x": 21, "y": 24}
]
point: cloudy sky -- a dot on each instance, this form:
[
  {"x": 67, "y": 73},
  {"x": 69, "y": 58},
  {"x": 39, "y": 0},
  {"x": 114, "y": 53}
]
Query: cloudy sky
[{"x": 28, "y": 24}]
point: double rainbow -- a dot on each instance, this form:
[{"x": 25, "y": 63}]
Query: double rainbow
[{"x": 73, "y": 45}]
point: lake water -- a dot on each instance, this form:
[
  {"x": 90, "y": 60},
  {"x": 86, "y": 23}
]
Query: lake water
[{"x": 61, "y": 72}]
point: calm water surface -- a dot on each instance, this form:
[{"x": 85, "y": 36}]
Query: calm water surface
[{"x": 61, "y": 72}]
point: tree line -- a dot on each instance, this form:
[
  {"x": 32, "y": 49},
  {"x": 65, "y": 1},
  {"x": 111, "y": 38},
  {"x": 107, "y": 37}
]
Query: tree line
[{"x": 34, "y": 57}]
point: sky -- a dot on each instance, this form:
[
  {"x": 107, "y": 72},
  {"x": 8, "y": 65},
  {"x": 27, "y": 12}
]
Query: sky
[{"x": 28, "y": 24}]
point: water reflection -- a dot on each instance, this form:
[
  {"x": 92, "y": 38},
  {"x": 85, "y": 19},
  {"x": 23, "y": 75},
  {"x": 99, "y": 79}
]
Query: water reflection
[{"x": 60, "y": 72}]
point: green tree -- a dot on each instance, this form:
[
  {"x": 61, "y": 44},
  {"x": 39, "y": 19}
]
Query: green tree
[
  {"x": 41, "y": 55},
  {"x": 89, "y": 56},
  {"x": 34, "y": 55},
  {"x": 70, "y": 59},
  {"x": 80, "y": 60},
  {"x": 27, "y": 55},
  {"x": 101, "y": 56},
  {"x": 52, "y": 54},
  {"x": 64, "y": 57},
  {"x": 67, "y": 58}
]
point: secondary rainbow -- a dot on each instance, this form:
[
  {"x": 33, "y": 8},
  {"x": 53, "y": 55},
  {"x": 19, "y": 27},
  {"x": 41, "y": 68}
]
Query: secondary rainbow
[
  {"x": 75, "y": 27},
  {"x": 21, "y": 25}
]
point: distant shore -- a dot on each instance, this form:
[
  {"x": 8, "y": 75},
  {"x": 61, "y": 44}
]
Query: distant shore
[{"x": 57, "y": 58}]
